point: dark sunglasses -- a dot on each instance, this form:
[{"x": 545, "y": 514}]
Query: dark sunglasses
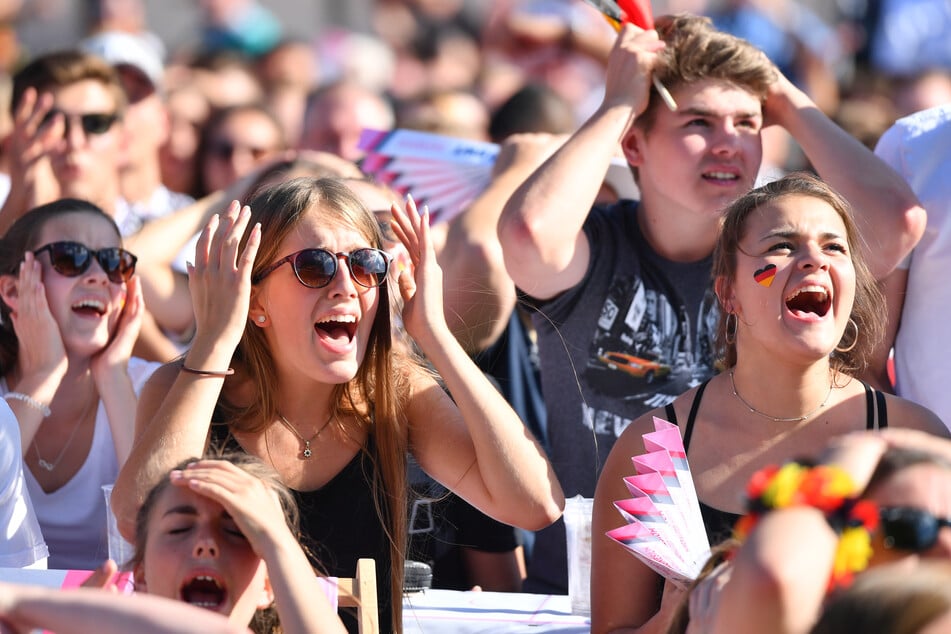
[
  {"x": 909, "y": 528},
  {"x": 71, "y": 259},
  {"x": 91, "y": 123},
  {"x": 225, "y": 150},
  {"x": 316, "y": 268}
]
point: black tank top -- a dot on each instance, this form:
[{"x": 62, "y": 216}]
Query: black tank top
[
  {"x": 339, "y": 524},
  {"x": 719, "y": 524}
]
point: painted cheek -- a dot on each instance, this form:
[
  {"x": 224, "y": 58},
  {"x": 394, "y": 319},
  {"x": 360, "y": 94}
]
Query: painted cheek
[{"x": 765, "y": 275}]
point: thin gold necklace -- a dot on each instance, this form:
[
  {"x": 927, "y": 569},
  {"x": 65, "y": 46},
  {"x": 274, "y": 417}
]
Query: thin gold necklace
[
  {"x": 49, "y": 466},
  {"x": 780, "y": 419},
  {"x": 307, "y": 452}
]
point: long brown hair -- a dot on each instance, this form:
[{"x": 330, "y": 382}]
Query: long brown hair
[
  {"x": 376, "y": 396},
  {"x": 859, "y": 343}
]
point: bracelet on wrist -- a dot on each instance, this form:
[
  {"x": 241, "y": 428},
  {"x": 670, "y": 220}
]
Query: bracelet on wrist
[
  {"x": 829, "y": 489},
  {"x": 30, "y": 401},
  {"x": 207, "y": 373}
]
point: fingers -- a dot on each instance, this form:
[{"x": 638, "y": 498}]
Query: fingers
[{"x": 102, "y": 576}]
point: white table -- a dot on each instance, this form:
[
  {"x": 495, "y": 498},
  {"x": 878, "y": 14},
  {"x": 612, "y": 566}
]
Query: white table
[{"x": 450, "y": 612}]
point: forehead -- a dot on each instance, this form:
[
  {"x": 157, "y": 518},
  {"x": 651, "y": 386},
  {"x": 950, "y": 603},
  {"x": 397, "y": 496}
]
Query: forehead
[
  {"x": 794, "y": 214},
  {"x": 715, "y": 96},
  {"x": 89, "y": 229},
  {"x": 86, "y": 96},
  {"x": 174, "y": 499},
  {"x": 248, "y": 123},
  {"x": 317, "y": 228}
]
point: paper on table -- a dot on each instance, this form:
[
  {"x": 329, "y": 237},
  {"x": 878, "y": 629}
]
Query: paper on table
[{"x": 668, "y": 534}]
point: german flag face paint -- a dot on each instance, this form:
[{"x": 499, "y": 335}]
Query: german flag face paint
[{"x": 765, "y": 275}]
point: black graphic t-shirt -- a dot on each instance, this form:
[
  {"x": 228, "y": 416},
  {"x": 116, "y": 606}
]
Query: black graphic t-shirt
[{"x": 633, "y": 335}]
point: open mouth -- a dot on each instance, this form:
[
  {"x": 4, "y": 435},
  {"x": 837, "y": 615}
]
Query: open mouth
[
  {"x": 721, "y": 177},
  {"x": 203, "y": 591},
  {"x": 338, "y": 328},
  {"x": 91, "y": 307},
  {"x": 809, "y": 300}
]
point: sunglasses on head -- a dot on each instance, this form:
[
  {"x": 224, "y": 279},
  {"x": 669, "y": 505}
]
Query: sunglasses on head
[
  {"x": 907, "y": 528},
  {"x": 71, "y": 259},
  {"x": 316, "y": 268},
  {"x": 94, "y": 123}
]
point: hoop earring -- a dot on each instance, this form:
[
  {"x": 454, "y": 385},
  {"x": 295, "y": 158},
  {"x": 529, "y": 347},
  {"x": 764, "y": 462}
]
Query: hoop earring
[
  {"x": 729, "y": 334},
  {"x": 855, "y": 339}
]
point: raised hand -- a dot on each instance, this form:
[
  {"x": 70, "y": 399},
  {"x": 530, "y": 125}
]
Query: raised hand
[
  {"x": 252, "y": 505},
  {"x": 220, "y": 279},
  {"x": 422, "y": 290},
  {"x": 115, "y": 356},
  {"x": 41, "y": 351}
]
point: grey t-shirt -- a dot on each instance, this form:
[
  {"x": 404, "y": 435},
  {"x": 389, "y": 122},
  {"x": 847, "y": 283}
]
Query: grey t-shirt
[{"x": 633, "y": 335}]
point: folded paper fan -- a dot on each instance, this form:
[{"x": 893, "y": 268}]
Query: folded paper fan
[
  {"x": 664, "y": 526},
  {"x": 445, "y": 173}
]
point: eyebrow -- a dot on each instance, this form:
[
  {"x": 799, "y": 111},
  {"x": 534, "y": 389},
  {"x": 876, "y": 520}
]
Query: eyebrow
[
  {"x": 789, "y": 233},
  {"x": 188, "y": 509}
]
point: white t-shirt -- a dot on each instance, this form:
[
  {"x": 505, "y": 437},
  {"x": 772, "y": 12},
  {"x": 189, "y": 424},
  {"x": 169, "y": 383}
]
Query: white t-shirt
[
  {"x": 919, "y": 148},
  {"x": 21, "y": 542},
  {"x": 73, "y": 517}
]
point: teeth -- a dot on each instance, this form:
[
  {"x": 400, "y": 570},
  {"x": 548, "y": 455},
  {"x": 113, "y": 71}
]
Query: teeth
[
  {"x": 91, "y": 303},
  {"x": 341, "y": 319},
  {"x": 809, "y": 289},
  {"x": 208, "y": 579},
  {"x": 722, "y": 175}
]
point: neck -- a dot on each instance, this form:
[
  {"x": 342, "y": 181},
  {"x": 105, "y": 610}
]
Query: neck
[
  {"x": 304, "y": 400},
  {"x": 784, "y": 391},
  {"x": 674, "y": 233},
  {"x": 140, "y": 181}
]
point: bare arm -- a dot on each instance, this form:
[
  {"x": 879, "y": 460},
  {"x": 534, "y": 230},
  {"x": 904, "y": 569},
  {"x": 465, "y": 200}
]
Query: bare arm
[
  {"x": 479, "y": 294},
  {"x": 890, "y": 219},
  {"x": 175, "y": 408},
  {"x": 82, "y": 610},
  {"x": 476, "y": 446},
  {"x": 540, "y": 230},
  {"x": 625, "y": 594},
  {"x": 893, "y": 288}
]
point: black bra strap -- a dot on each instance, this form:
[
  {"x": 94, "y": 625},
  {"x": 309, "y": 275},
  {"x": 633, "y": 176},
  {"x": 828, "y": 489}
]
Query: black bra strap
[
  {"x": 692, "y": 417},
  {"x": 869, "y": 406},
  {"x": 882, "y": 410},
  {"x": 671, "y": 414}
]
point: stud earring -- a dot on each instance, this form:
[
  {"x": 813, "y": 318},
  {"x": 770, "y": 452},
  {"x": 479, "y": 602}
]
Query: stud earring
[{"x": 261, "y": 319}]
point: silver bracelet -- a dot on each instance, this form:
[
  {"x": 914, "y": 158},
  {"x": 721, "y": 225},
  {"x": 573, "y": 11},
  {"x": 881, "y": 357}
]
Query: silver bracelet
[{"x": 29, "y": 400}]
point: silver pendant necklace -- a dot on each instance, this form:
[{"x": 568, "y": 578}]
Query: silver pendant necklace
[
  {"x": 779, "y": 419},
  {"x": 49, "y": 466},
  {"x": 307, "y": 452}
]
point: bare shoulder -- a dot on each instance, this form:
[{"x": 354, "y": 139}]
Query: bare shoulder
[{"x": 907, "y": 414}]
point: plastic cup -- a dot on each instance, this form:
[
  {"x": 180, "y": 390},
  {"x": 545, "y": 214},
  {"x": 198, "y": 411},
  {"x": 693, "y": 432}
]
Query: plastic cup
[
  {"x": 120, "y": 551},
  {"x": 578, "y": 537}
]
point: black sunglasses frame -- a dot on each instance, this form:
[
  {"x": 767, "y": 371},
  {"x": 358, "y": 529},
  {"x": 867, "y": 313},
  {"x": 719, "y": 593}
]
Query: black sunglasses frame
[
  {"x": 92, "y": 123},
  {"x": 334, "y": 258},
  {"x": 912, "y": 529},
  {"x": 117, "y": 263}
]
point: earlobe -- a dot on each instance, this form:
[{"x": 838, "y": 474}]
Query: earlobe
[
  {"x": 256, "y": 312},
  {"x": 633, "y": 146},
  {"x": 724, "y": 293},
  {"x": 267, "y": 594},
  {"x": 138, "y": 579}
]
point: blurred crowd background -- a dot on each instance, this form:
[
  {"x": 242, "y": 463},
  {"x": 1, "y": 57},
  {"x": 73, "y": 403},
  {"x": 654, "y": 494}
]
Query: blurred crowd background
[{"x": 865, "y": 62}]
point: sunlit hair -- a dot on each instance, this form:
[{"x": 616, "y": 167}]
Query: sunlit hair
[
  {"x": 897, "y": 459},
  {"x": 377, "y": 394},
  {"x": 695, "y": 51},
  {"x": 22, "y": 236},
  {"x": 866, "y": 310},
  {"x": 890, "y": 599},
  {"x": 264, "y": 621},
  {"x": 65, "y": 68}
]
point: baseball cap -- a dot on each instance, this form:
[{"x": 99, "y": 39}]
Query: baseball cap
[{"x": 127, "y": 50}]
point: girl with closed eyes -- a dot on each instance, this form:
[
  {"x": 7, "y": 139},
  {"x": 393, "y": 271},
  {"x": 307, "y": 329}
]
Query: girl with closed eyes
[
  {"x": 800, "y": 315},
  {"x": 70, "y": 310},
  {"x": 293, "y": 362}
]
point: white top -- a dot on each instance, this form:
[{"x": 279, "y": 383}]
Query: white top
[
  {"x": 73, "y": 517},
  {"x": 22, "y": 542},
  {"x": 919, "y": 148}
]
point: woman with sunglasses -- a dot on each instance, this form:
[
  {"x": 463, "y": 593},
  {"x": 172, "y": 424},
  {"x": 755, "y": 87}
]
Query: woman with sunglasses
[
  {"x": 779, "y": 577},
  {"x": 800, "y": 313},
  {"x": 293, "y": 359},
  {"x": 71, "y": 307}
]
